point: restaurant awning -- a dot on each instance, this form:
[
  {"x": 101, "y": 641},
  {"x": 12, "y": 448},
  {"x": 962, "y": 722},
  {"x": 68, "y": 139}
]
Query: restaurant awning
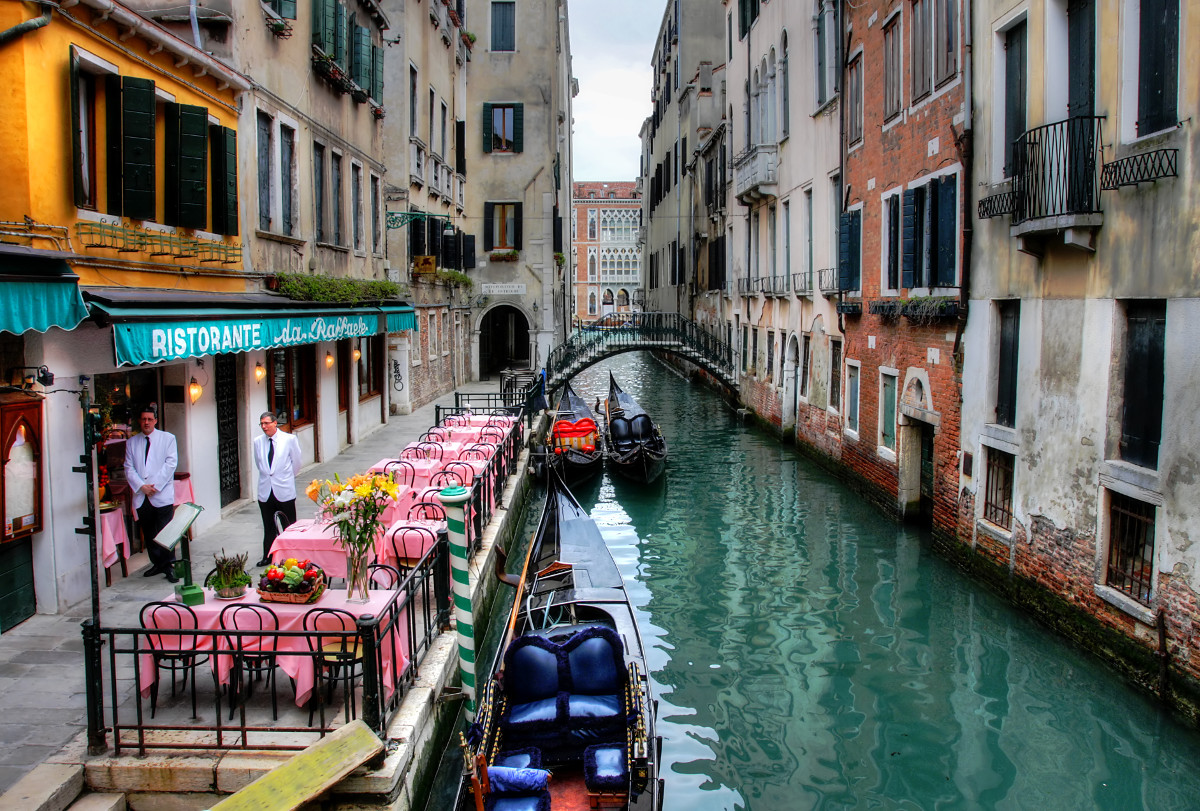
[
  {"x": 151, "y": 326},
  {"x": 38, "y": 291},
  {"x": 400, "y": 318}
]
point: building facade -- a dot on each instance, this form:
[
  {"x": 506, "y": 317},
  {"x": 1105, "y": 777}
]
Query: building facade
[
  {"x": 605, "y": 256},
  {"x": 518, "y": 146}
]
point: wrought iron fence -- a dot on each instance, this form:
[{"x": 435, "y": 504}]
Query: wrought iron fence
[
  {"x": 827, "y": 278},
  {"x": 1058, "y": 169},
  {"x": 803, "y": 283}
]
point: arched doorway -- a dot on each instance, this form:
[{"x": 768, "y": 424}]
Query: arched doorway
[
  {"x": 791, "y": 391},
  {"x": 503, "y": 340}
]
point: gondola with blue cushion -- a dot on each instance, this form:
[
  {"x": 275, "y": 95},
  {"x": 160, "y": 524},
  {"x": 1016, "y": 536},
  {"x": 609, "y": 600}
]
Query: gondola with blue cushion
[{"x": 635, "y": 448}]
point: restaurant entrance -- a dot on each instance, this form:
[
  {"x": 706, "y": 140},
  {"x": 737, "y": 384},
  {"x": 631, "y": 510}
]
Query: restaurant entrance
[{"x": 229, "y": 458}]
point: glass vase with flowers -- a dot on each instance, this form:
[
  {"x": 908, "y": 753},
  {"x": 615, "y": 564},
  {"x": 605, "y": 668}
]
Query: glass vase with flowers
[{"x": 355, "y": 508}]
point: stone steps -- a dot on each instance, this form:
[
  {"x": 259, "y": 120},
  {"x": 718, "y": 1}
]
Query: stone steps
[
  {"x": 49, "y": 787},
  {"x": 99, "y": 802}
]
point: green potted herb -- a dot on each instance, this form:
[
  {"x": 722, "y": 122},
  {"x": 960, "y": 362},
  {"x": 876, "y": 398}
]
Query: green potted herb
[{"x": 229, "y": 578}]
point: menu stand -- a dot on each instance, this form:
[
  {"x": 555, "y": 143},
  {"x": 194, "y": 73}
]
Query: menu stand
[{"x": 179, "y": 529}]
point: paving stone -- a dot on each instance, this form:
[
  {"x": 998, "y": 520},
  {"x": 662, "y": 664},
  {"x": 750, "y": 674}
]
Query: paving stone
[{"x": 49, "y": 787}]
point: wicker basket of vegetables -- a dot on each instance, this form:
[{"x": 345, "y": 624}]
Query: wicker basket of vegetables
[{"x": 292, "y": 581}]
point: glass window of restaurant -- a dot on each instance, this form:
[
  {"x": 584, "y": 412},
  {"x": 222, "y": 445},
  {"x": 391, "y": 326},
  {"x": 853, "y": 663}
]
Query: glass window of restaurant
[
  {"x": 292, "y": 393},
  {"x": 370, "y": 366}
]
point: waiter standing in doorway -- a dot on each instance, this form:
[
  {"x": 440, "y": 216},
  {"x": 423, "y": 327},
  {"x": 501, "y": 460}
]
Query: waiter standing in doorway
[
  {"x": 150, "y": 460},
  {"x": 277, "y": 457}
]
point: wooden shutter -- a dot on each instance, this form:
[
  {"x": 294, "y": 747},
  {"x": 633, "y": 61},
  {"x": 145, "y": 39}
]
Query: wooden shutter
[
  {"x": 947, "y": 231},
  {"x": 849, "y": 234},
  {"x": 450, "y": 252},
  {"x": 416, "y": 236},
  {"x": 136, "y": 144},
  {"x": 81, "y": 197},
  {"x": 377, "y": 73},
  {"x": 1158, "y": 65},
  {"x": 340, "y": 24},
  {"x": 489, "y": 228},
  {"x": 487, "y": 130},
  {"x": 909, "y": 237},
  {"x": 517, "y": 223},
  {"x": 362, "y": 58},
  {"x": 1141, "y": 419},
  {"x": 324, "y": 25},
  {"x": 1006, "y": 363},
  {"x": 558, "y": 232},
  {"x": 518, "y": 127},
  {"x": 433, "y": 238},
  {"x": 460, "y": 147},
  {"x": 186, "y": 190},
  {"x": 1015, "y": 87},
  {"x": 1081, "y": 58},
  {"x": 468, "y": 252},
  {"x": 224, "y": 180}
]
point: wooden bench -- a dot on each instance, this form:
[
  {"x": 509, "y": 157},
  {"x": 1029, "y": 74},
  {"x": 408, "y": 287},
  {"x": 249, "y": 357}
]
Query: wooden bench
[{"x": 307, "y": 774}]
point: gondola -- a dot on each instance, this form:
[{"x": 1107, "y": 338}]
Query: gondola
[
  {"x": 575, "y": 447},
  {"x": 635, "y": 447},
  {"x": 566, "y": 718}
]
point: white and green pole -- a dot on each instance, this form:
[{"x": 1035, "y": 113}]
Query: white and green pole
[{"x": 453, "y": 499}]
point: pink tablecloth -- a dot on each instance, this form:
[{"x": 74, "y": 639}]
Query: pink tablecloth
[
  {"x": 407, "y": 541},
  {"x": 291, "y": 618},
  {"x": 314, "y": 540},
  {"x": 112, "y": 535}
]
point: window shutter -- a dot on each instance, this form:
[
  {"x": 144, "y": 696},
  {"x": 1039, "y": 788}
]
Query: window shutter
[
  {"x": 377, "y": 73},
  {"x": 517, "y": 218},
  {"x": 1015, "y": 81},
  {"x": 489, "y": 228},
  {"x": 1006, "y": 363},
  {"x": 285, "y": 8},
  {"x": 186, "y": 195},
  {"x": 908, "y": 236},
  {"x": 856, "y": 251},
  {"x": 468, "y": 252},
  {"x": 518, "y": 128},
  {"x": 450, "y": 251},
  {"x": 76, "y": 146},
  {"x": 324, "y": 25},
  {"x": 362, "y": 58},
  {"x": 947, "y": 232},
  {"x": 340, "y": 21},
  {"x": 845, "y": 272},
  {"x": 1141, "y": 422},
  {"x": 416, "y": 236},
  {"x": 224, "y": 179},
  {"x": 487, "y": 130},
  {"x": 138, "y": 177},
  {"x": 433, "y": 239},
  {"x": 558, "y": 232},
  {"x": 1158, "y": 65},
  {"x": 460, "y": 147}
]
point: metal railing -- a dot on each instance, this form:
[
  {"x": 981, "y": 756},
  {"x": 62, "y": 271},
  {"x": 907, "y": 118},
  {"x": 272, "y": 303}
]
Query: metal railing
[
  {"x": 1142, "y": 168},
  {"x": 389, "y": 646},
  {"x": 776, "y": 285},
  {"x": 827, "y": 278},
  {"x": 1057, "y": 169},
  {"x": 802, "y": 283}
]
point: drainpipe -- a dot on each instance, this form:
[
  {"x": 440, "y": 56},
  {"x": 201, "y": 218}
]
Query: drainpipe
[
  {"x": 196, "y": 27},
  {"x": 966, "y": 152},
  {"x": 20, "y": 29}
]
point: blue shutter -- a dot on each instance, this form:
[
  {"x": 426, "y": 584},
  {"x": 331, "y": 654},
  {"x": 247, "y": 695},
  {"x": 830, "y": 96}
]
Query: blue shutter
[
  {"x": 908, "y": 253},
  {"x": 947, "y": 230},
  {"x": 487, "y": 132},
  {"x": 845, "y": 271}
]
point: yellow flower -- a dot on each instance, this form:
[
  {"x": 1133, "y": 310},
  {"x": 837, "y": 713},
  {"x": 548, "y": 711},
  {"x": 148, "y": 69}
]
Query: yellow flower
[
  {"x": 389, "y": 486},
  {"x": 363, "y": 489}
]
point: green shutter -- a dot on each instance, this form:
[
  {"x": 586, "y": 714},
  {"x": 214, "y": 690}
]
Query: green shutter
[
  {"x": 321, "y": 23},
  {"x": 340, "y": 51},
  {"x": 285, "y": 8},
  {"x": 76, "y": 115},
  {"x": 489, "y": 230},
  {"x": 377, "y": 73},
  {"x": 518, "y": 127},
  {"x": 487, "y": 142},
  {"x": 224, "y": 180},
  {"x": 112, "y": 143},
  {"x": 362, "y": 57},
  {"x": 186, "y": 202},
  {"x": 137, "y": 148}
]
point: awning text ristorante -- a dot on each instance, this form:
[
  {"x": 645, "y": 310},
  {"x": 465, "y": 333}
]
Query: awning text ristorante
[{"x": 156, "y": 341}]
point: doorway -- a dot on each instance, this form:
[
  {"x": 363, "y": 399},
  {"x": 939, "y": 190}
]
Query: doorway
[
  {"x": 228, "y": 442},
  {"x": 925, "y": 511},
  {"x": 503, "y": 341}
]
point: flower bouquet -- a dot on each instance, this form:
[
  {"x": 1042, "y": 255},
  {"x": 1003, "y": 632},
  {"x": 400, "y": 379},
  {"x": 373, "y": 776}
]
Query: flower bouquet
[{"x": 355, "y": 508}]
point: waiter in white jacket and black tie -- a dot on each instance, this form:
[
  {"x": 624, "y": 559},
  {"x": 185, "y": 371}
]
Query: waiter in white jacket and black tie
[
  {"x": 150, "y": 460},
  {"x": 277, "y": 457}
]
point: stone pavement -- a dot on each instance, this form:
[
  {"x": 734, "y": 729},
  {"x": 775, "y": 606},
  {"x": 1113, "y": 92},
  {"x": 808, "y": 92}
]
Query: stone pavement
[{"x": 42, "y": 699}]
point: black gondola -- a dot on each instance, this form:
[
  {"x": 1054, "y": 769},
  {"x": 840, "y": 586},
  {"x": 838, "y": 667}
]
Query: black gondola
[
  {"x": 635, "y": 447},
  {"x": 575, "y": 447},
  {"x": 570, "y": 693}
]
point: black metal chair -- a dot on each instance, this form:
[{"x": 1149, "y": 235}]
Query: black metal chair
[
  {"x": 332, "y": 636},
  {"x": 253, "y": 656},
  {"x": 173, "y": 652},
  {"x": 446, "y": 478},
  {"x": 433, "y": 435},
  {"x": 401, "y": 471},
  {"x": 432, "y": 450},
  {"x": 281, "y": 521},
  {"x": 465, "y": 472},
  {"x": 408, "y": 544},
  {"x": 383, "y": 576},
  {"x": 413, "y": 452}
]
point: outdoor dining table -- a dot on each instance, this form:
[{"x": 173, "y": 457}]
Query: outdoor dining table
[
  {"x": 291, "y": 618},
  {"x": 318, "y": 542},
  {"x": 112, "y": 535}
]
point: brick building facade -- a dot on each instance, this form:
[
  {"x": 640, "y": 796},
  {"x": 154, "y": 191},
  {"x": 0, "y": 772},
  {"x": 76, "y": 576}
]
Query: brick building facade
[{"x": 606, "y": 259}]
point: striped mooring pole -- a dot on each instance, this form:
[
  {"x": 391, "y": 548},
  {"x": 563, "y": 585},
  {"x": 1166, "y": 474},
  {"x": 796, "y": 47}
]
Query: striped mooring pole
[{"x": 453, "y": 498}]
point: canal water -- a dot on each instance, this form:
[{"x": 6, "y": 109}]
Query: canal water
[{"x": 809, "y": 653}]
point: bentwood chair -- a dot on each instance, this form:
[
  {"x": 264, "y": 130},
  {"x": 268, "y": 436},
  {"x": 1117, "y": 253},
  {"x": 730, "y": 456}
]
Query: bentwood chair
[
  {"x": 383, "y": 576},
  {"x": 433, "y": 435},
  {"x": 432, "y": 450},
  {"x": 254, "y": 654},
  {"x": 401, "y": 471},
  {"x": 446, "y": 478},
  {"x": 173, "y": 652},
  {"x": 409, "y": 545},
  {"x": 413, "y": 452},
  {"x": 332, "y": 636}
]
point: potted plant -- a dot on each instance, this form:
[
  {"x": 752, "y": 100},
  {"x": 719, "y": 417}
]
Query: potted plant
[
  {"x": 229, "y": 578},
  {"x": 504, "y": 256}
]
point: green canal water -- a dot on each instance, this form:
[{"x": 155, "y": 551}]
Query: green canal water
[{"x": 809, "y": 653}]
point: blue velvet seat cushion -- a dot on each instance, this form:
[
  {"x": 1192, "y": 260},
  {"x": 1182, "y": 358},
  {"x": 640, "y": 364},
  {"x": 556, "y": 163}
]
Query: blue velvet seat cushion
[
  {"x": 539, "y": 801},
  {"x": 595, "y": 663},
  {"x": 531, "y": 666},
  {"x": 507, "y": 779},
  {"x": 605, "y": 769},
  {"x": 541, "y": 712},
  {"x": 527, "y": 758},
  {"x": 588, "y": 706}
]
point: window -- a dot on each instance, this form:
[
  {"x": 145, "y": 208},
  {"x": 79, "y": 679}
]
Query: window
[
  {"x": 754, "y": 367},
  {"x": 265, "y": 148},
  {"x": 787, "y": 240},
  {"x": 284, "y": 8},
  {"x": 445, "y": 333},
  {"x": 319, "y": 191},
  {"x": 503, "y": 127},
  {"x": 785, "y": 93},
  {"x": 893, "y": 68},
  {"x": 930, "y": 243},
  {"x": 501, "y": 226},
  {"x": 356, "y": 207},
  {"x": 1130, "y": 547},
  {"x": 745, "y": 347},
  {"x": 772, "y": 240},
  {"x": 747, "y": 14},
  {"x": 1142, "y": 401},
  {"x": 835, "y": 374},
  {"x": 805, "y": 364},
  {"x": 887, "y": 411},
  {"x": 854, "y": 111},
  {"x": 591, "y": 304},
  {"x": 1015, "y": 88},
  {"x": 443, "y": 151},
  {"x": 370, "y": 367},
  {"x": 432, "y": 113},
  {"x": 335, "y": 182},
  {"x": 287, "y": 179},
  {"x": 413, "y": 112},
  {"x": 504, "y": 26},
  {"x": 922, "y": 47},
  {"x": 998, "y": 492},
  {"x": 431, "y": 329},
  {"x": 1006, "y": 363},
  {"x": 850, "y": 251},
  {"x": 891, "y": 243},
  {"x": 770, "y": 355},
  {"x": 945, "y": 40},
  {"x": 808, "y": 236},
  {"x": 852, "y": 398},
  {"x": 291, "y": 372},
  {"x": 822, "y": 57},
  {"x": 376, "y": 219},
  {"x": 753, "y": 245},
  {"x": 1158, "y": 68},
  {"x": 85, "y": 145}
]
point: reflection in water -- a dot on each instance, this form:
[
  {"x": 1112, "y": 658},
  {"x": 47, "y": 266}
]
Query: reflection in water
[{"x": 808, "y": 652}]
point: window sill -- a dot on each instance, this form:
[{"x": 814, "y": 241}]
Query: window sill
[
  {"x": 1123, "y": 602},
  {"x": 993, "y": 531},
  {"x": 365, "y": 398},
  {"x": 1000, "y": 438},
  {"x": 284, "y": 238},
  {"x": 331, "y": 246},
  {"x": 885, "y": 453},
  {"x": 1132, "y": 480},
  {"x": 825, "y": 105}
]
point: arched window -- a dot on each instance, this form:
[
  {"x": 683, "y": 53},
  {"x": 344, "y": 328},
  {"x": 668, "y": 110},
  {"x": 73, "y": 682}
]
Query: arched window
[
  {"x": 771, "y": 91},
  {"x": 608, "y": 297},
  {"x": 592, "y": 266},
  {"x": 622, "y": 298},
  {"x": 591, "y": 304},
  {"x": 785, "y": 101}
]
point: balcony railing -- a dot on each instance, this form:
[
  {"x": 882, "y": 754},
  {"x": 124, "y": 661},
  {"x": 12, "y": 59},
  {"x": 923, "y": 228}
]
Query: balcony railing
[
  {"x": 803, "y": 283},
  {"x": 776, "y": 285},
  {"x": 827, "y": 278},
  {"x": 754, "y": 173},
  {"x": 1058, "y": 169}
]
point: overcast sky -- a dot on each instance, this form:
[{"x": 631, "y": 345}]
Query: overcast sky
[{"x": 611, "y": 45}]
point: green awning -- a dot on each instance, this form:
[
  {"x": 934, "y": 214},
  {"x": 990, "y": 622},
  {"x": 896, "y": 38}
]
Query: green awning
[
  {"x": 400, "y": 318},
  {"x": 41, "y": 302}
]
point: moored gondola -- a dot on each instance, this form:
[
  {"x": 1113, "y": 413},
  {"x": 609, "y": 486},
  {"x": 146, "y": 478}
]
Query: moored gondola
[
  {"x": 566, "y": 719},
  {"x": 634, "y": 446},
  {"x": 575, "y": 447}
]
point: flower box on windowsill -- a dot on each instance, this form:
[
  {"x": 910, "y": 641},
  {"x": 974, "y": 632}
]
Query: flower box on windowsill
[
  {"x": 849, "y": 308},
  {"x": 504, "y": 256},
  {"x": 886, "y": 309},
  {"x": 929, "y": 309}
]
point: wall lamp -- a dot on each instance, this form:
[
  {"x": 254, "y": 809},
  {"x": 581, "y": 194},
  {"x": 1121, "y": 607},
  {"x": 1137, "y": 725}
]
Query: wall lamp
[
  {"x": 328, "y": 360},
  {"x": 194, "y": 387},
  {"x": 40, "y": 375},
  {"x": 356, "y": 354},
  {"x": 260, "y": 372}
]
